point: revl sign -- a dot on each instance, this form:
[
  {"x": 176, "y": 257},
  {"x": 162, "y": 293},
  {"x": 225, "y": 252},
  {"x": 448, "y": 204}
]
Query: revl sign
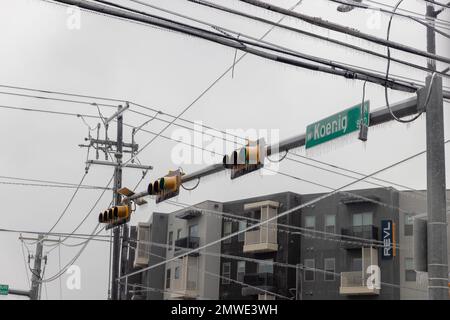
[{"x": 388, "y": 237}]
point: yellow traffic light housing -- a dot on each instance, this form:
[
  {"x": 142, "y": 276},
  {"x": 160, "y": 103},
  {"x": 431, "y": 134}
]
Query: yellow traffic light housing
[
  {"x": 246, "y": 159},
  {"x": 166, "y": 187},
  {"x": 115, "y": 216}
]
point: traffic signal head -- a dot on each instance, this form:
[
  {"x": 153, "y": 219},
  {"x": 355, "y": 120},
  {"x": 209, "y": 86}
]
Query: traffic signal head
[
  {"x": 169, "y": 183},
  {"x": 115, "y": 214},
  {"x": 246, "y": 159},
  {"x": 166, "y": 187}
]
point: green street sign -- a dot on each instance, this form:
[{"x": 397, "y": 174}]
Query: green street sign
[
  {"x": 337, "y": 125},
  {"x": 4, "y": 289}
]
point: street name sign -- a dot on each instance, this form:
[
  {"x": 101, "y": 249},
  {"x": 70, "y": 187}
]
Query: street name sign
[
  {"x": 4, "y": 289},
  {"x": 337, "y": 125}
]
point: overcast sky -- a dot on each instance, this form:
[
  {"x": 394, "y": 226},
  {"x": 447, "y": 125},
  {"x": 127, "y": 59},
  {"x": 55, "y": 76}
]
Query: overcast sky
[{"x": 164, "y": 70}]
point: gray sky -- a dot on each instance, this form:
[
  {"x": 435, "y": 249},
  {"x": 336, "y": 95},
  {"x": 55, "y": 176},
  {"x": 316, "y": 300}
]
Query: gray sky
[{"x": 112, "y": 58}]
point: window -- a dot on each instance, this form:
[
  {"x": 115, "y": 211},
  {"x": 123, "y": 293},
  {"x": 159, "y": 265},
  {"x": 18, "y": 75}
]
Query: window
[
  {"x": 409, "y": 225},
  {"x": 242, "y": 226},
  {"x": 362, "y": 219},
  {"x": 265, "y": 267},
  {"x": 410, "y": 273},
  {"x": 178, "y": 234},
  {"x": 227, "y": 229},
  {"x": 330, "y": 266},
  {"x": 193, "y": 230},
  {"x": 310, "y": 222},
  {"x": 309, "y": 271},
  {"x": 330, "y": 223},
  {"x": 240, "y": 271},
  {"x": 356, "y": 264},
  {"x": 170, "y": 241},
  {"x": 177, "y": 272},
  {"x": 226, "y": 272},
  {"x": 168, "y": 278}
]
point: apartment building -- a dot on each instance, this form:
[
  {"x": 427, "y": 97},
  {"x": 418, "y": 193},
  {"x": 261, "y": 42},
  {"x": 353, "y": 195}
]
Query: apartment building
[
  {"x": 196, "y": 275},
  {"x": 266, "y": 243},
  {"x": 328, "y": 251}
]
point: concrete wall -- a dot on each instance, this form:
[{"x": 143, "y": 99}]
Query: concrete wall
[{"x": 415, "y": 203}]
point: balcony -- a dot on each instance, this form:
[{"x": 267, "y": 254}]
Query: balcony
[
  {"x": 368, "y": 232},
  {"x": 355, "y": 283},
  {"x": 186, "y": 243},
  {"x": 184, "y": 285},
  {"x": 261, "y": 240},
  {"x": 264, "y": 281}
]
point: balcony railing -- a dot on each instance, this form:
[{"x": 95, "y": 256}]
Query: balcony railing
[
  {"x": 185, "y": 285},
  {"x": 264, "y": 281},
  {"x": 260, "y": 279},
  {"x": 261, "y": 240},
  {"x": 355, "y": 283},
  {"x": 368, "y": 232},
  {"x": 186, "y": 243}
]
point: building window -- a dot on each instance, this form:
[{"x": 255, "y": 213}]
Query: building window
[
  {"x": 177, "y": 272},
  {"x": 227, "y": 229},
  {"x": 362, "y": 219},
  {"x": 178, "y": 234},
  {"x": 409, "y": 225},
  {"x": 193, "y": 230},
  {"x": 240, "y": 271},
  {"x": 226, "y": 272},
  {"x": 168, "y": 279},
  {"x": 330, "y": 223},
  {"x": 410, "y": 273},
  {"x": 310, "y": 222},
  {"x": 265, "y": 266},
  {"x": 356, "y": 264},
  {"x": 330, "y": 267},
  {"x": 242, "y": 226},
  {"x": 170, "y": 241},
  {"x": 309, "y": 270}
]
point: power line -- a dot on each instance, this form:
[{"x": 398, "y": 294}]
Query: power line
[
  {"x": 258, "y": 261},
  {"x": 215, "y": 153},
  {"x": 343, "y": 29},
  {"x": 220, "y": 276},
  {"x": 328, "y": 236},
  {"x": 310, "y": 34},
  {"x": 438, "y": 3},
  {"x": 394, "y": 12},
  {"x": 47, "y": 183},
  {"x": 422, "y": 16},
  {"x": 232, "y": 42}
]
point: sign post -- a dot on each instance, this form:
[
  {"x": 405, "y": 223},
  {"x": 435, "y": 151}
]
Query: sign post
[{"x": 337, "y": 125}]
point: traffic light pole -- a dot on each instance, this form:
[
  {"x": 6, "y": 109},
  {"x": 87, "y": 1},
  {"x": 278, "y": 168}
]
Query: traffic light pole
[
  {"x": 36, "y": 277},
  {"x": 115, "y": 287},
  {"x": 436, "y": 189}
]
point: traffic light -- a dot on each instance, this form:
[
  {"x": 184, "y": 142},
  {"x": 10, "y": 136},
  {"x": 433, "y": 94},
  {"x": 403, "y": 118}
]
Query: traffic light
[
  {"x": 115, "y": 216},
  {"x": 166, "y": 187},
  {"x": 246, "y": 159}
]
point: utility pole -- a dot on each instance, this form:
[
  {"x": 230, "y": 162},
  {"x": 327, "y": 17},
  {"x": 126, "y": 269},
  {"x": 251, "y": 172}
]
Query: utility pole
[
  {"x": 436, "y": 189},
  {"x": 117, "y": 199},
  {"x": 36, "y": 277},
  {"x": 120, "y": 233}
]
